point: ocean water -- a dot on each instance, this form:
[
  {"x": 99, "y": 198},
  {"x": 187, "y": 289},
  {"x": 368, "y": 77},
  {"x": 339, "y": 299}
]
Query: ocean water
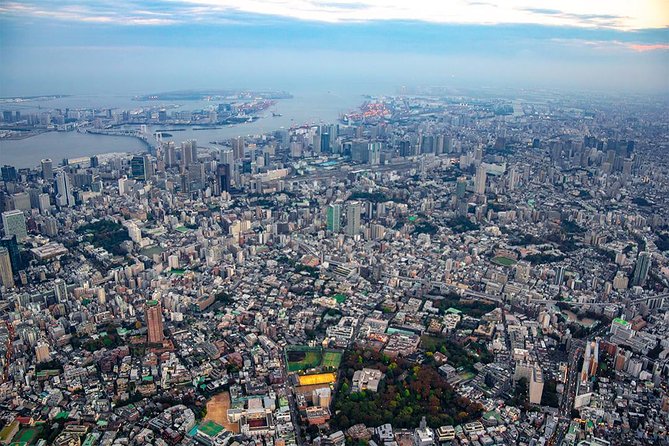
[{"x": 303, "y": 108}]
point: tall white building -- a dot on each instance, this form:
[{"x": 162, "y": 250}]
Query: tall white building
[
  {"x": 64, "y": 198},
  {"x": 479, "y": 182}
]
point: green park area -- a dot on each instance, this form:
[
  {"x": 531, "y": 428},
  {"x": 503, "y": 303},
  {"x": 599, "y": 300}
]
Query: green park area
[{"x": 340, "y": 298}]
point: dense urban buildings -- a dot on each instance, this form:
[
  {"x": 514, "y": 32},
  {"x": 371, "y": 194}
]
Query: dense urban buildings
[{"x": 429, "y": 270}]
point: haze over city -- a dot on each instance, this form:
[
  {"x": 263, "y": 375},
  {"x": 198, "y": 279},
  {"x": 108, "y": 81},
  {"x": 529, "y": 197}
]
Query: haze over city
[
  {"x": 334, "y": 223},
  {"x": 110, "y": 47}
]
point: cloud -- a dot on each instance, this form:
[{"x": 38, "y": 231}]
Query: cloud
[
  {"x": 609, "y": 45},
  {"x": 614, "y": 14}
]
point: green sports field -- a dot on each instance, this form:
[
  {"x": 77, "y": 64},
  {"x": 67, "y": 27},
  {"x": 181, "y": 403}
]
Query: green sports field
[{"x": 300, "y": 358}]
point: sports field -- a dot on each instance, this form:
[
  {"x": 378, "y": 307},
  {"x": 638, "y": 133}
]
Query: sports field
[
  {"x": 331, "y": 359},
  {"x": 26, "y": 436},
  {"x": 300, "y": 358},
  {"x": 321, "y": 378},
  {"x": 504, "y": 261}
]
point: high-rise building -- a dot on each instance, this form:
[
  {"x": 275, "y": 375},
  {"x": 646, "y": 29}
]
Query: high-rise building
[
  {"x": 352, "y": 218},
  {"x": 559, "y": 275},
  {"x": 154, "y": 322},
  {"x": 461, "y": 187},
  {"x": 44, "y": 203},
  {"x": 169, "y": 154},
  {"x": 42, "y": 351},
  {"x": 374, "y": 153},
  {"x": 6, "y": 275},
  {"x": 479, "y": 183},
  {"x": 12, "y": 245},
  {"x": 14, "y": 223},
  {"x": 223, "y": 175},
  {"x": 334, "y": 218},
  {"x": 60, "y": 290},
  {"x": 21, "y": 201},
  {"x": 8, "y": 173},
  {"x": 641, "y": 269},
  {"x": 64, "y": 197},
  {"x": 47, "y": 169},
  {"x": 238, "y": 147},
  {"x": 325, "y": 143},
  {"x": 141, "y": 167}
]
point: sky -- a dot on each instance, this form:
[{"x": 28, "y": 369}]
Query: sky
[{"x": 374, "y": 46}]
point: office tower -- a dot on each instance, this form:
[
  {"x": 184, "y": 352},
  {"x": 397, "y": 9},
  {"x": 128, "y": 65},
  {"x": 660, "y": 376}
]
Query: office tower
[
  {"x": 238, "y": 147},
  {"x": 14, "y": 223},
  {"x": 360, "y": 151},
  {"x": 64, "y": 196},
  {"x": 21, "y": 201},
  {"x": 6, "y": 274},
  {"x": 559, "y": 275},
  {"x": 170, "y": 154},
  {"x": 352, "y": 218},
  {"x": 94, "y": 161},
  {"x": 461, "y": 187},
  {"x": 374, "y": 153},
  {"x": 12, "y": 246},
  {"x": 47, "y": 169},
  {"x": 641, "y": 269},
  {"x": 8, "y": 173},
  {"x": 141, "y": 167},
  {"x": 325, "y": 143},
  {"x": 227, "y": 156},
  {"x": 334, "y": 218},
  {"x": 479, "y": 183},
  {"x": 193, "y": 150},
  {"x": 60, "y": 290},
  {"x": 154, "y": 322},
  {"x": 223, "y": 175},
  {"x": 296, "y": 149}
]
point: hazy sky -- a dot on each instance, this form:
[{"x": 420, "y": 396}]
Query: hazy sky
[{"x": 128, "y": 46}]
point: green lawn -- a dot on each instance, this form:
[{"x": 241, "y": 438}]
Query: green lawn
[
  {"x": 340, "y": 298},
  {"x": 331, "y": 360},
  {"x": 309, "y": 360},
  {"x": 504, "y": 261},
  {"x": 26, "y": 436}
]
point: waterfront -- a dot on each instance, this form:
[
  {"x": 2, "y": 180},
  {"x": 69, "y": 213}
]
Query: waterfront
[
  {"x": 58, "y": 145},
  {"x": 217, "y": 411},
  {"x": 303, "y": 108}
]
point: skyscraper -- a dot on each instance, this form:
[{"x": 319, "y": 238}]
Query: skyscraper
[
  {"x": 353, "y": 218},
  {"x": 461, "y": 187},
  {"x": 47, "y": 169},
  {"x": 223, "y": 175},
  {"x": 154, "y": 322},
  {"x": 64, "y": 198},
  {"x": 374, "y": 153},
  {"x": 12, "y": 246},
  {"x": 481, "y": 176},
  {"x": 60, "y": 290},
  {"x": 334, "y": 218},
  {"x": 641, "y": 269},
  {"x": 170, "y": 154},
  {"x": 6, "y": 275},
  {"x": 14, "y": 223},
  {"x": 141, "y": 167}
]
